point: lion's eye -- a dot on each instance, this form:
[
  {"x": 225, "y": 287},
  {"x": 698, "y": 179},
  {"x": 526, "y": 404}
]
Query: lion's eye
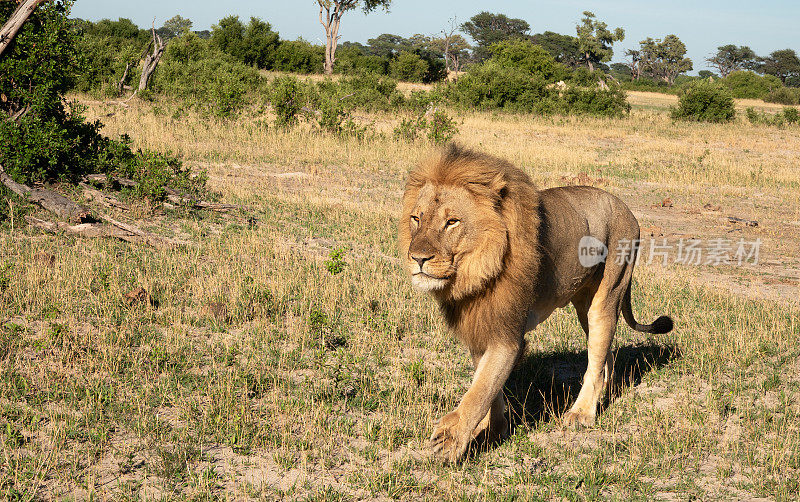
[
  {"x": 414, "y": 219},
  {"x": 451, "y": 223}
]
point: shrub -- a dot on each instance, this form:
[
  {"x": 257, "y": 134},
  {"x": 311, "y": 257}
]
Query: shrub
[
  {"x": 204, "y": 78},
  {"x": 408, "y": 67},
  {"x": 748, "y": 85},
  {"x": 411, "y": 129},
  {"x": 529, "y": 58},
  {"x": 350, "y": 60},
  {"x": 611, "y": 102},
  {"x": 52, "y": 141},
  {"x": 491, "y": 85},
  {"x": 705, "y": 101},
  {"x": 786, "y": 116},
  {"x": 792, "y": 115},
  {"x": 784, "y": 96},
  {"x": 298, "y": 56},
  {"x": 370, "y": 92},
  {"x": 287, "y": 95},
  {"x": 441, "y": 128}
]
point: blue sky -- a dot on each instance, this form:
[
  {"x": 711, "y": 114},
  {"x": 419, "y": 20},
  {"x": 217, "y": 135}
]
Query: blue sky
[{"x": 702, "y": 24}]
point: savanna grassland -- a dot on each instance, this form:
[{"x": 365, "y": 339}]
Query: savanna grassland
[{"x": 284, "y": 354}]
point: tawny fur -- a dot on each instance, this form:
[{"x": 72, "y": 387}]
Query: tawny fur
[{"x": 499, "y": 256}]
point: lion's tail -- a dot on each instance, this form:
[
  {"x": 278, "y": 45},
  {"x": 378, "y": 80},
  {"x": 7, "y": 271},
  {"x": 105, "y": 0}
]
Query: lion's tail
[{"x": 660, "y": 326}]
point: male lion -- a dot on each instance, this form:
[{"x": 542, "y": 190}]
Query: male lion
[{"x": 499, "y": 256}]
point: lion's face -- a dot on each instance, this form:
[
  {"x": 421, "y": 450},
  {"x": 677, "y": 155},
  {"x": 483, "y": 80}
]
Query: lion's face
[{"x": 454, "y": 239}]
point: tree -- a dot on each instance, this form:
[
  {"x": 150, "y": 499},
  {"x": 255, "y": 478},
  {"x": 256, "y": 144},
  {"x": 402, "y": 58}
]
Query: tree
[
  {"x": 260, "y": 44},
  {"x": 330, "y": 17},
  {"x": 664, "y": 59},
  {"x": 150, "y": 61},
  {"x": 563, "y": 48},
  {"x": 707, "y": 75},
  {"x": 387, "y": 45},
  {"x": 14, "y": 23},
  {"x": 595, "y": 40},
  {"x": 783, "y": 64},
  {"x": 254, "y": 44},
  {"x": 486, "y": 29},
  {"x": 633, "y": 60},
  {"x": 732, "y": 58},
  {"x": 174, "y": 27},
  {"x": 453, "y": 47}
]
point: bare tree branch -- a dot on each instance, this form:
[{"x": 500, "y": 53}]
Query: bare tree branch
[{"x": 15, "y": 22}]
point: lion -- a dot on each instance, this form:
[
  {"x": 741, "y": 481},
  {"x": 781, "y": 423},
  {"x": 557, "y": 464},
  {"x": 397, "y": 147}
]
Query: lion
[{"x": 499, "y": 256}]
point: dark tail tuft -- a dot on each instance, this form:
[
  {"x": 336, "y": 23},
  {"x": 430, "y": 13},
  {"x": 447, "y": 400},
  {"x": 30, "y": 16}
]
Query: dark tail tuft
[{"x": 660, "y": 326}]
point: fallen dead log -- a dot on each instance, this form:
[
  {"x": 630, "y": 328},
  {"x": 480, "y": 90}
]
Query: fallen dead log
[
  {"x": 87, "y": 225},
  {"x": 98, "y": 196},
  {"x": 150, "y": 238},
  {"x": 52, "y": 201},
  {"x": 102, "y": 179},
  {"x": 82, "y": 229}
]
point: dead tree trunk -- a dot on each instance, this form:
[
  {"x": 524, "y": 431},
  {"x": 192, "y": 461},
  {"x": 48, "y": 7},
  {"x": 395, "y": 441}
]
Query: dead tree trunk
[
  {"x": 15, "y": 22},
  {"x": 151, "y": 60},
  {"x": 52, "y": 201},
  {"x": 331, "y": 21},
  {"x": 121, "y": 85}
]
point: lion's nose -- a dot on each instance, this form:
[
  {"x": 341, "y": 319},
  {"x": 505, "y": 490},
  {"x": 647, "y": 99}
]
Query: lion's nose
[{"x": 421, "y": 259}]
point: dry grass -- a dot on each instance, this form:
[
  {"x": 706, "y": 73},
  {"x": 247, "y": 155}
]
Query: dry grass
[{"x": 255, "y": 372}]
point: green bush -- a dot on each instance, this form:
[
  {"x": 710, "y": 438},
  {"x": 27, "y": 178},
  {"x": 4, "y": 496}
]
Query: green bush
[
  {"x": 531, "y": 59},
  {"x": 203, "y": 77},
  {"x": 784, "y": 96},
  {"x": 350, "y": 60},
  {"x": 792, "y": 115},
  {"x": 410, "y": 129},
  {"x": 408, "y": 67},
  {"x": 705, "y": 102},
  {"x": 298, "y": 56},
  {"x": 252, "y": 45},
  {"x": 490, "y": 86},
  {"x": 748, "y": 85},
  {"x": 610, "y": 102},
  {"x": 288, "y": 96},
  {"x": 371, "y": 92},
  {"x": 441, "y": 128},
  {"x": 788, "y": 115},
  {"x": 106, "y": 48}
]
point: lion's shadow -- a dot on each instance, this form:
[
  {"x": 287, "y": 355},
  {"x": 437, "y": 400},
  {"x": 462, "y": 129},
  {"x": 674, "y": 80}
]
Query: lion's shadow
[{"x": 544, "y": 384}]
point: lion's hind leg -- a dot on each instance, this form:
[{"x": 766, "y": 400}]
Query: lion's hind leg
[{"x": 598, "y": 313}]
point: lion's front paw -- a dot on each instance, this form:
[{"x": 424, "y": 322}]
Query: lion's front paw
[
  {"x": 491, "y": 430},
  {"x": 578, "y": 418},
  {"x": 449, "y": 441}
]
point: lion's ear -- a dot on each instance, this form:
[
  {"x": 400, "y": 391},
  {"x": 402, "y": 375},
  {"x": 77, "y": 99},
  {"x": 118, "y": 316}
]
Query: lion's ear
[{"x": 495, "y": 188}]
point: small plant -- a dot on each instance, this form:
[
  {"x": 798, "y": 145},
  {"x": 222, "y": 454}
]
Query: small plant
[
  {"x": 5, "y": 276},
  {"x": 335, "y": 263},
  {"x": 287, "y": 100},
  {"x": 332, "y": 115},
  {"x": 791, "y": 115},
  {"x": 705, "y": 102},
  {"x": 416, "y": 372},
  {"x": 411, "y": 129},
  {"x": 441, "y": 128}
]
